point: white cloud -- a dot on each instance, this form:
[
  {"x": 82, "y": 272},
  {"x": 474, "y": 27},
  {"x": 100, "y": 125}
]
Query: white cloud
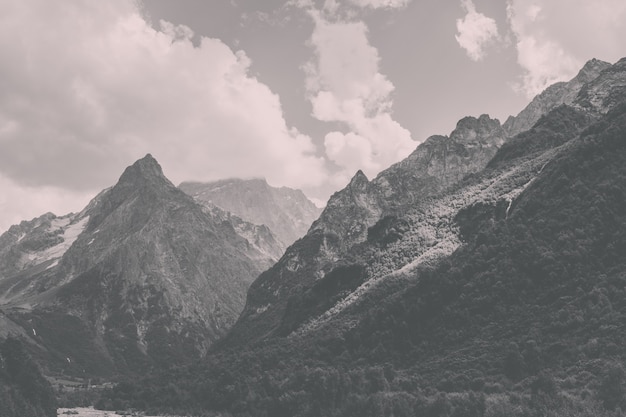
[
  {"x": 19, "y": 203},
  {"x": 345, "y": 85},
  {"x": 555, "y": 38},
  {"x": 88, "y": 87},
  {"x": 475, "y": 31},
  {"x": 381, "y": 4}
]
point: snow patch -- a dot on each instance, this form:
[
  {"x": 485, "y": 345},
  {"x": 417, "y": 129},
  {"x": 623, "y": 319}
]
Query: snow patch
[{"x": 70, "y": 234}]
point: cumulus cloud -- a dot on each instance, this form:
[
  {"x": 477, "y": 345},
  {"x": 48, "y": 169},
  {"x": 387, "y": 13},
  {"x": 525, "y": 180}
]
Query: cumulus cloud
[
  {"x": 554, "y": 39},
  {"x": 19, "y": 203},
  {"x": 88, "y": 87},
  {"x": 345, "y": 85},
  {"x": 475, "y": 31},
  {"x": 381, "y": 4}
]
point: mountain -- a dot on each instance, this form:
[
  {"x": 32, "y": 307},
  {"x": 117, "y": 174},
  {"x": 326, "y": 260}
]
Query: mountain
[
  {"x": 287, "y": 212},
  {"x": 144, "y": 276},
  {"x": 484, "y": 275},
  {"x": 360, "y": 212},
  {"x": 554, "y": 96}
]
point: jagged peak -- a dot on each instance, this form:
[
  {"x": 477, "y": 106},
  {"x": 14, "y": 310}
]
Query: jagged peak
[
  {"x": 144, "y": 169},
  {"x": 591, "y": 69},
  {"x": 145, "y": 175},
  {"x": 595, "y": 63},
  {"x": 358, "y": 180},
  {"x": 472, "y": 122},
  {"x": 147, "y": 166},
  {"x": 471, "y": 128}
]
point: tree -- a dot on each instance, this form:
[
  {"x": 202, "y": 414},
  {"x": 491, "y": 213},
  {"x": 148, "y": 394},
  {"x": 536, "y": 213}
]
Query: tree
[{"x": 611, "y": 390}]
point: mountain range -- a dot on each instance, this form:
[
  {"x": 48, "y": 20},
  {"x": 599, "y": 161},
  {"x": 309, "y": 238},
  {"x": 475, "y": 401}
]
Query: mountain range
[
  {"x": 143, "y": 277},
  {"x": 482, "y": 275}
]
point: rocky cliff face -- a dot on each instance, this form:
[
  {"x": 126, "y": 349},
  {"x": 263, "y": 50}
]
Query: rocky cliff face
[
  {"x": 604, "y": 92},
  {"x": 143, "y": 276},
  {"x": 260, "y": 237},
  {"x": 554, "y": 96},
  {"x": 287, "y": 212}
]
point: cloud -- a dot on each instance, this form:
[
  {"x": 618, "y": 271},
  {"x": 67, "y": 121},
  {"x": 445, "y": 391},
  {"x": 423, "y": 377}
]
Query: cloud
[
  {"x": 345, "y": 85},
  {"x": 19, "y": 203},
  {"x": 381, "y": 4},
  {"x": 88, "y": 87},
  {"x": 475, "y": 31},
  {"x": 554, "y": 39},
  {"x": 350, "y": 7}
]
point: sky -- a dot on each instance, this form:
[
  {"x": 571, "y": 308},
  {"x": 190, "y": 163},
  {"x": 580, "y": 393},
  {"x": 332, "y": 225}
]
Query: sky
[{"x": 301, "y": 92}]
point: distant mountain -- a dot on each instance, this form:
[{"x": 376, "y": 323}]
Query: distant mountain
[
  {"x": 287, "y": 212},
  {"x": 483, "y": 275},
  {"x": 144, "y": 276}
]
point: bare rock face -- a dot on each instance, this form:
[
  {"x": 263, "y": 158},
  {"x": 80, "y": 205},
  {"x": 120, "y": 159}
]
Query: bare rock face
[
  {"x": 260, "y": 237},
  {"x": 442, "y": 161},
  {"x": 605, "y": 91},
  {"x": 144, "y": 276},
  {"x": 554, "y": 96},
  {"x": 350, "y": 210},
  {"x": 287, "y": 212}
]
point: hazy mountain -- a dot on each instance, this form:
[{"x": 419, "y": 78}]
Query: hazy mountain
[
  {"x": 143, "y": 276},
  {"x": 287, "y": 212},
  {"x": 483, "y": 275}
]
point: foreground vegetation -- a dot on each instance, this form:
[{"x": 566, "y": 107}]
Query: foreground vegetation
[{"x": 24, "y": 391}]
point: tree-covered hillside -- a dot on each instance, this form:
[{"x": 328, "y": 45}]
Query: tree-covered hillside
[{"x": 24, "y": 392}]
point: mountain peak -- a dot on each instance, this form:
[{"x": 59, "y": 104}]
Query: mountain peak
[
  {"x": 591, "y": 69},
  {"x": 148, "y": 165},
  {"x": 483, "y": 129},
  {"x": 359, "y": 179},
  {"x": 144, "y": 169}
]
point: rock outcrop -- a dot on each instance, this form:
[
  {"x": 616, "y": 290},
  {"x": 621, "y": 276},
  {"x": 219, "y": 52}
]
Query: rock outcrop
[{"x": 555, "y": 95}]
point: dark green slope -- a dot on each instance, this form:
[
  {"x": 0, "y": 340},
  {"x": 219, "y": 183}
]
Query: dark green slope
[
  {"x": 551, "y": 275},
  {"x": 24, "y": 392}
]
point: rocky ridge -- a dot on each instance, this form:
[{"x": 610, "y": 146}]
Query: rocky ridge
[
  {"x": 555, "y": 95},
  {"x": 405, "y": 217},
  {"x": 346, "y": 222}
]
